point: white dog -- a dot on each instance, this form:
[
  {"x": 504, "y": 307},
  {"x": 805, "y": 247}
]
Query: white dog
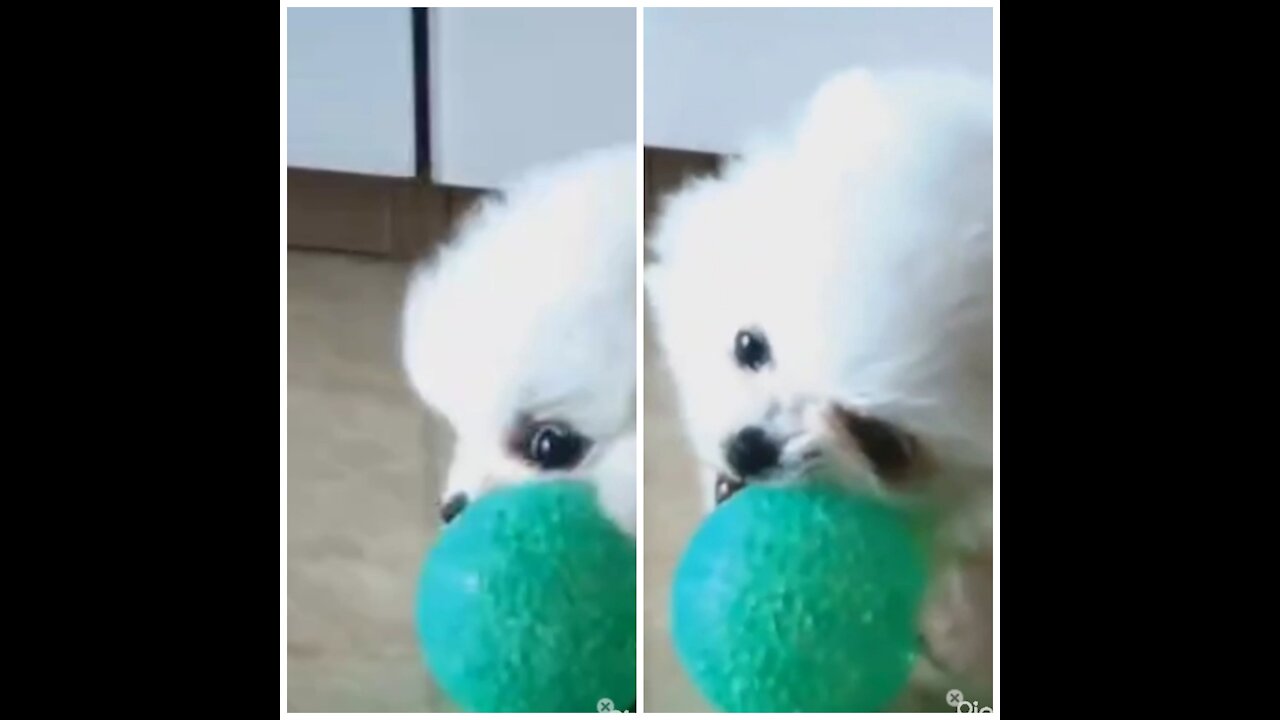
[
  {"x": 827, "y": 300},
  {"x": 522, "y": 334}
]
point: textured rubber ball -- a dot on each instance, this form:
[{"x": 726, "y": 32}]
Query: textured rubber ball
[
  {"x": 800, "y": 597},
  {"x": 527, "y": 603}
]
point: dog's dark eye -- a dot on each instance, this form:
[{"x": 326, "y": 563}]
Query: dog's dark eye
[
  {"x": 554, "y": 446},
  {"x": 751, "y": 350}
]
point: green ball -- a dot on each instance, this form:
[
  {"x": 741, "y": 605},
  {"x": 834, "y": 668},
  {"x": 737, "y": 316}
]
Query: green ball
[
  {"x": 800, "y": 597},
  {"x": 527, "y": 603}
]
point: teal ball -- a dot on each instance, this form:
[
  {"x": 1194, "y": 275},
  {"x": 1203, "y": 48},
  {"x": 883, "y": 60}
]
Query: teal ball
[
  {"x": 527, "y": 603},
  {"x": 801, "y": 597}
]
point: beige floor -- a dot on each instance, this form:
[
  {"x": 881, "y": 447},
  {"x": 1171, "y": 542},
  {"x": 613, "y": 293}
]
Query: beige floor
[
  {"x": 360, "y": 492},
  {"x": 364, "y": 460},
  {"x": 671, "y": 511}
]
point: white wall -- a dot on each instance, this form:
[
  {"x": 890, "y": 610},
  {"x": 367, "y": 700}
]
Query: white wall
[
  {"x": 350, "y": 90},
  {"x": 512, "y": 88},
  {"x": 714, "y": 78}
]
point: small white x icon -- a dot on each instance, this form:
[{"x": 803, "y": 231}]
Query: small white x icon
[
  {"x": 954, "y": 698},
  {"x": 605, "y": 705}
]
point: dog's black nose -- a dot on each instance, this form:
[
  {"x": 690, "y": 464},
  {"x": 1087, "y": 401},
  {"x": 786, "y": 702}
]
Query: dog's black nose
[
  {"x": 752, "y": 452},
  {"x": 454, "y": 505}
]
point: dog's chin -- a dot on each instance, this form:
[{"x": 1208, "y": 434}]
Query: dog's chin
[
  {"x": 728, "y": 485},
  {"x": 812, "y": 469},
  {"x": 840, "y": 463}
]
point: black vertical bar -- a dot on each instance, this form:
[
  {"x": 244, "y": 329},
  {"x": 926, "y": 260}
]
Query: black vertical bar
[{"x": 421, "y": 107}]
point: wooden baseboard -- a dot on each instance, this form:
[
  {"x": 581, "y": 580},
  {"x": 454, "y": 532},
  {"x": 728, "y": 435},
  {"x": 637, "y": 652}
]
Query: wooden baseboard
[
  {"x": 666, "y": 170},
  {"x": 405, "y": 218},
  {"x": 400, "y": 218}
]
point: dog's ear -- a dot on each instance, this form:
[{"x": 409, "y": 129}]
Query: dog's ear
[
  {"x": 846, "y": 123},
  {"x": 842, "y": 95}
]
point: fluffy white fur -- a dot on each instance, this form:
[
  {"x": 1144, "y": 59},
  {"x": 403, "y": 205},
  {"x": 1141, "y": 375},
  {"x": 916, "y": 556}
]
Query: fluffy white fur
[
  {"x": 531, "y": 311},
  {"x": 860, "y": 242}
]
